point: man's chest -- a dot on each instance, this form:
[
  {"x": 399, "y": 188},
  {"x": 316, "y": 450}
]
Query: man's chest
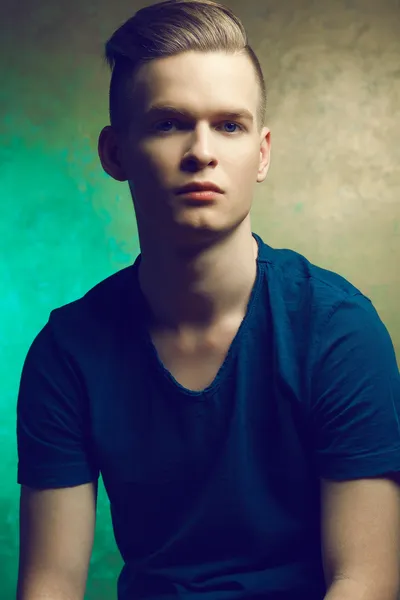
[
  {"x": 170, "y": 406},
  {"x": 195, "y": 360}
]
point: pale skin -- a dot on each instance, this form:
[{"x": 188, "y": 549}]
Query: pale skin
[{"x": 188, "y": 252}]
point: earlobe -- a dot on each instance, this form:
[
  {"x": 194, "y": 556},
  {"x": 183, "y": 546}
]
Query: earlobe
[{"x": 109, "y": 154}]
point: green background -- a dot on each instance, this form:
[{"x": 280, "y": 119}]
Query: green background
[{"x": 333, "y": 192}]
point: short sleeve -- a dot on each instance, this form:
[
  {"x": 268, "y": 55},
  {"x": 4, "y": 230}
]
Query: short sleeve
[
  {"x": 53, "y": 429},
  {"x": 355, "y": 398}
]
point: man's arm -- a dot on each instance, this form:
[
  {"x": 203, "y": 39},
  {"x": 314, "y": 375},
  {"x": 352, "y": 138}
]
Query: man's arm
[
  {"x": 361, "y": 538},
  {"x": 56, "y": 539}
]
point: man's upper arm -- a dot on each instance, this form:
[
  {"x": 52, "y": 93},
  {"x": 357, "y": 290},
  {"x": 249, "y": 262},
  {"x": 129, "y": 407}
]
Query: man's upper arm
[
  {"x": 56, "y": 539},
  {"x": 361, "y": 533},
  {"x": 58, "y": 472},
  {"x": 355, "y": 397},
  {"x": 356, "y": 430},
  {"x": 55, "y": 448}
]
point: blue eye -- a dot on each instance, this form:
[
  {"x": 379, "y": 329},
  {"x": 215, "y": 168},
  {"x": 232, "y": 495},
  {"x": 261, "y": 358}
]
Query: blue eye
[
  {"x": 235, "y": 124},
  {"x": 162, "y": 123},
  {"x": 172, "y": 121}
]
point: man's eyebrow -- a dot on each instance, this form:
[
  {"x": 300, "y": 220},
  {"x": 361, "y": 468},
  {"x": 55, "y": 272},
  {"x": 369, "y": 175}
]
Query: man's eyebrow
[{"x": 154, "y": 109}]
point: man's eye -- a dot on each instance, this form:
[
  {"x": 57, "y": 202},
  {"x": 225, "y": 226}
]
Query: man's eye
[
  {"x": 161, "y": 123},
  {"x": 171, "y": 121}
]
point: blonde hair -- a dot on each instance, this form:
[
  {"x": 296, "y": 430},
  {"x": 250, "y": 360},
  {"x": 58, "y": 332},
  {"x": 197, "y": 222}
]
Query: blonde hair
[{"x": 169, "y": 28}]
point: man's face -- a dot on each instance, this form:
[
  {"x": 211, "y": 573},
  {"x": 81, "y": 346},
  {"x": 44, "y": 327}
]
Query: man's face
[{"x": 162, "y": 151}]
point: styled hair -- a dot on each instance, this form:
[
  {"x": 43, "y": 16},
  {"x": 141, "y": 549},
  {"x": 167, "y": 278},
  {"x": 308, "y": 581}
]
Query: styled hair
[{"x": 169, "y": 28}]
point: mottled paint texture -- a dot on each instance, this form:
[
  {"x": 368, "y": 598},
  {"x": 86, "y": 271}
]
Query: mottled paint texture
[{"x": 333, "y": 192}]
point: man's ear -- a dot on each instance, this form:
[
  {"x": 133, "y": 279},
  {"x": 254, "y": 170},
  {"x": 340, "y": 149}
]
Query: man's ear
[
  {"x": 109, "y": 154},
  {"x": 265, "y": 155}
]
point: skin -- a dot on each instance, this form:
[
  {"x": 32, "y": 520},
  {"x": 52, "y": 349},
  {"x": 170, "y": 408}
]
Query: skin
[
  {"x": 56, "y": 540},
  {"x": 187, "y": 251},
  {"x": 361, "y": 538}
]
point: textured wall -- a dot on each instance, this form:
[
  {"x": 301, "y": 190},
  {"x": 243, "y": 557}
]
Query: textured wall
[{"x": 333, "y": 191}]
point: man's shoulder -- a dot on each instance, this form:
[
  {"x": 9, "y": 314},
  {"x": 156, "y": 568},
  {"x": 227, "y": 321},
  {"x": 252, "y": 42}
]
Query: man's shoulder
[
  {"x": 298, "y": 278},
  {"x": 99, "y": 309}
]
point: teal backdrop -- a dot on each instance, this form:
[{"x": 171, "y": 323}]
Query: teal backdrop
[{"x": 333, "y": 192}]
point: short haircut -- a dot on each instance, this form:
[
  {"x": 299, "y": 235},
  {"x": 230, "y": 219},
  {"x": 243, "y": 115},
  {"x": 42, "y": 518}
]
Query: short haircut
[{"x": 169, "y": 28}]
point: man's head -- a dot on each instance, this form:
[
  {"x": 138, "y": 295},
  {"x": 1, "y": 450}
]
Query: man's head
[{"x": 193, "y": 56}]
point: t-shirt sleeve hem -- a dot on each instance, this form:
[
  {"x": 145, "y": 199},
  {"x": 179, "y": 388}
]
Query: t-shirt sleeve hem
[
  {"x": 357, "y": 467},
  {"x": 63, "y": 476}
]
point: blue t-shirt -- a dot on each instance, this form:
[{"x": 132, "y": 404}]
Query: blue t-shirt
[{"x": 215, "y": 494}]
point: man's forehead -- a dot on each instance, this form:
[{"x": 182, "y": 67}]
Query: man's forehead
[
  {"x": 226, "y": 111},
  {"x": 153, "y": 79}
]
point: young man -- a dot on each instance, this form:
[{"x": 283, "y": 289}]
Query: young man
[{"x": 240, "y": 403}]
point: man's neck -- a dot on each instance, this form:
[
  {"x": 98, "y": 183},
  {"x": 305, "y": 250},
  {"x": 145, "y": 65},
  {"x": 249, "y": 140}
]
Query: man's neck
[{"x": 197, "y": 294}]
